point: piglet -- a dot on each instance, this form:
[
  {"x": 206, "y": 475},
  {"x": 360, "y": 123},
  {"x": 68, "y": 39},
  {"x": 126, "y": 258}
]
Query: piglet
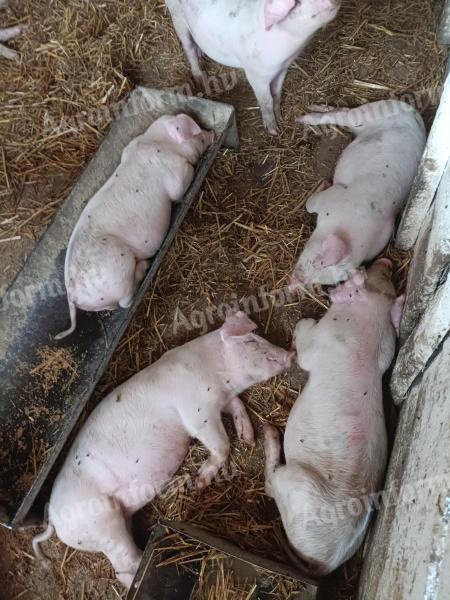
[
  {"x": 335, "y": 441},
  {"x": 263, "y": 37},
  {"x": 126, "y": 221},
  {"x": 356, "y": 214},
  {"x": 137, "y": 437}
]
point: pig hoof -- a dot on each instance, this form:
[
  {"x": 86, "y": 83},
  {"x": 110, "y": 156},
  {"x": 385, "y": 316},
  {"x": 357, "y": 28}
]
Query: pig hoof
[
  {"x": 320, "y": 108},
  {"x": 247, "y": 435},
  {"x": 202, "y": 483},
  {"x": 271, "y": 434},
  {"x": 200, "y": 80}
]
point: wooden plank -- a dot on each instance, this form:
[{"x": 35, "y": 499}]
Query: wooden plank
[
  {"x": 431, "y": 169},
  {"x": 408, "y": 553},
  {"x": 430, "y": 261},
  {"x": 420, "y": 347}
]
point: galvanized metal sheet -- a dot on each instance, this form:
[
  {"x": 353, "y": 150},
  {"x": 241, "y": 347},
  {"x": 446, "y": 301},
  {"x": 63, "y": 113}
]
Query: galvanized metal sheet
[
  {"x": 46, "y": 384},
  {"x": 156, "y": 582}
]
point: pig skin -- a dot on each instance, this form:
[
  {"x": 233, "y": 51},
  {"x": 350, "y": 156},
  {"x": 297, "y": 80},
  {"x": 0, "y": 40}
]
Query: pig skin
[
  {"x": 263, "y": 37},
  {"x": 335, "y": 442},
  {"x": 356, "y": 214},
  {"x": 137, "y": 437},
  {"x": 126, "y": 221}
]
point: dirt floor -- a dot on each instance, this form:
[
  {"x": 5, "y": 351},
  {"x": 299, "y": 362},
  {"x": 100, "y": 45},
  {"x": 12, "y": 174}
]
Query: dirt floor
[{"x": 78, "y": 60}]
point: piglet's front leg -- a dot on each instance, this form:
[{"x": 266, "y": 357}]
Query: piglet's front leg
[
  {"x": 215, "y": 438},
  {"x": 241, "y": 420}
]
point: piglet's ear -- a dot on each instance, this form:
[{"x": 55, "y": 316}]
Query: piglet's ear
[
  {"x": 182, "y": 128},
  {"x": 334, "y": 249},
  {"x": 276, "y": 10},
  {"x": 397, "y": 311},
  {"x": 237, "y": 325}
]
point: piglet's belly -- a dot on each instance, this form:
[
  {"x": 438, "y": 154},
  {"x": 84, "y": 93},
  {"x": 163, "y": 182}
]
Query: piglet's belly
[{"x": 141, "y": 452}]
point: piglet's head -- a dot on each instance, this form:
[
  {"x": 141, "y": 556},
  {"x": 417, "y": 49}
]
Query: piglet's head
[
  {"x": 249, "y": 358},
  {"x": 324, "y": 260},
  {"x": 179, "y": 129},
  {"x": 372, "y": 285}
]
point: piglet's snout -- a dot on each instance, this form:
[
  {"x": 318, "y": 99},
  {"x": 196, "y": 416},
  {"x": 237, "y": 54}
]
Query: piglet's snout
[{"x": 283, "y": 358}]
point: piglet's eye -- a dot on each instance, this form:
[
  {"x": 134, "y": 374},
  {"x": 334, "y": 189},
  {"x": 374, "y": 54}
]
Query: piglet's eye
[{"x": 250, "y": 342}]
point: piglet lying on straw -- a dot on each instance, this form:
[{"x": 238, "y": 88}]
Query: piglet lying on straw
[
  {"x": 372, "y": 181},
  {"x": 137, "y": 437},
  {"x": 335, "y": 442},
  {"x": 126, "y": 221}
]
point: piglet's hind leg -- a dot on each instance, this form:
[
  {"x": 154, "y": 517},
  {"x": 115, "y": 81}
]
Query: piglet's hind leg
[
  {"x": 118, "y": 545},
  {"x": 139, "y": 274},
  {"x": 263, "y": 93},
  {"x": 272, "y": 450},
  {"x": 190, "y": 48}
]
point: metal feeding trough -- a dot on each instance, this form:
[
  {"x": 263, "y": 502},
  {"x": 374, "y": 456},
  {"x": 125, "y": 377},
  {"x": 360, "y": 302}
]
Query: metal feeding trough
[
  {"x": 46, "y": 384},
  {"x": 159, "y": 579}
]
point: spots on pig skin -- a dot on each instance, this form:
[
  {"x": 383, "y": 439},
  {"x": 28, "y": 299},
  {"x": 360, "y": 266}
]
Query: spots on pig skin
[
  {"x": 205, "y": 421},
  {"x": 365, "y": 393},
  {"x": 137, "y": 460},
  {"x": 118, "y": 397},
  {"x": 137, "y": 191},
  {"x": 79, "y": 542},
  {"x": 199, "y": 409},
  {"x": 301, "y": 441},
  {"x": 330, "y": 477},
  {"x": 88, "y": 454},
  {"x": 334, "y": 318},
  {"x": 209, "y": 389}
]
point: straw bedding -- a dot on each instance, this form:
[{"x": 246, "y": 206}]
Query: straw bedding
[{"x": 78, "y": 60}]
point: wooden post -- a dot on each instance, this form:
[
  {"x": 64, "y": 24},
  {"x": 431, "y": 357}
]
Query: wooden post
[{"x": 409, "y": 550}]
